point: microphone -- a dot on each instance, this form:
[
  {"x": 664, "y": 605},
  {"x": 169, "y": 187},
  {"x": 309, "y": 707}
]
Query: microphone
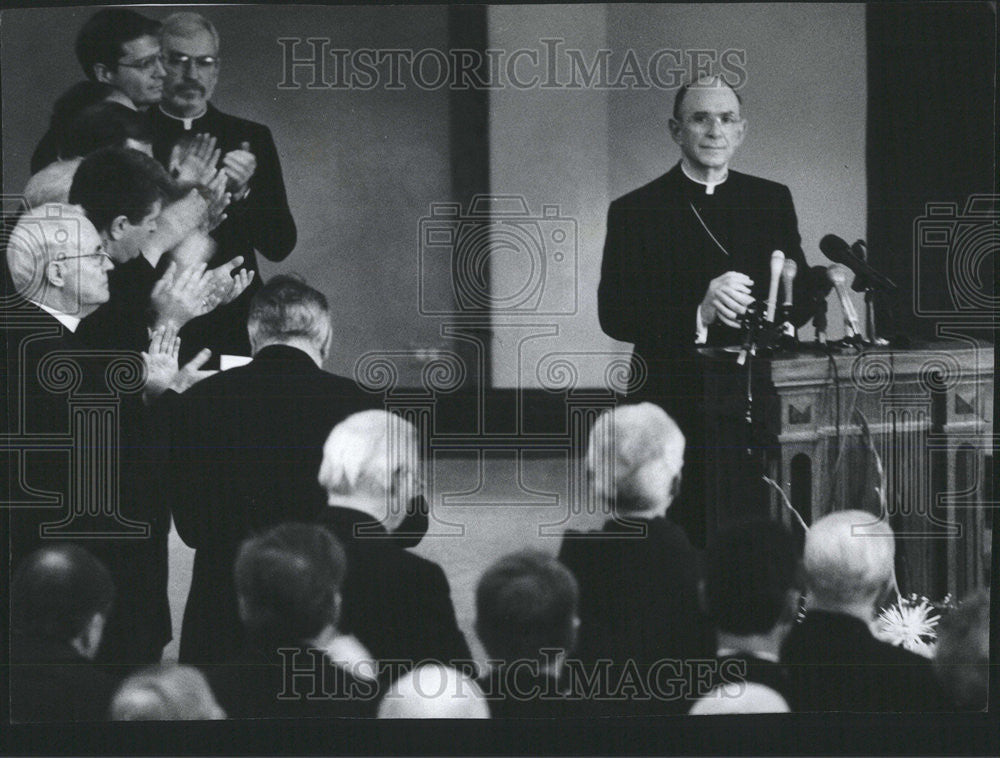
[
  {"x": 777, "y": 264},
  {"x": 838, "y": 277},
  {"x": 838, "y": 251},
  {"x": 788, "y": 272},
  {"x": 819, "y": 286}
]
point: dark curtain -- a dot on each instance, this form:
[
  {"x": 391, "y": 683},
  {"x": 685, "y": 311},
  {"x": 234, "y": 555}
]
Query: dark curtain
[{"x": 931, "y": 140}]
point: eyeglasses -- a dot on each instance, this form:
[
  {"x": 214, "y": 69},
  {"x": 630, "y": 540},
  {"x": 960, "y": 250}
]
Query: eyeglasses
[
  {"x": 202, "y": 62},
  {"x": 147, "y": 64},
  {"x": 88, "y": 255}
]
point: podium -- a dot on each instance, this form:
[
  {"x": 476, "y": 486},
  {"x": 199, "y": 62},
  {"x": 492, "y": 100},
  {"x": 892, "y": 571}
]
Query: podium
[{"x": 830, "y": 429}]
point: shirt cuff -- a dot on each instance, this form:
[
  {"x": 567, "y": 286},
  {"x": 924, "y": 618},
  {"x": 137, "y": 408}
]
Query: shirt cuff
[{"x": 700, "y": 330}]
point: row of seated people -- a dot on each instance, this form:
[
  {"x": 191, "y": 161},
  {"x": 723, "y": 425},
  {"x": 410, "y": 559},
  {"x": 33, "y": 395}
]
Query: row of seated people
[{"x": 297, "y": 662}]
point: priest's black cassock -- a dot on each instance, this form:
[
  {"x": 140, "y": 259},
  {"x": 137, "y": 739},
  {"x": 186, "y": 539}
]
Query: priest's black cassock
[{"x": 665, "y": 242}]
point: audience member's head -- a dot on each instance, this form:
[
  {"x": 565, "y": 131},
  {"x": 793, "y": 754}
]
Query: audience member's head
[
  {"x": 287, "y": 311},
  {"x": 165, "y": 692},
  {"x": 526, "y": 602},
  {"x": 434, "y": 692},
  {"x": 122, "y": 192},
  {"x": 750, "y": 579},
  {"x": 191, "y": 54},
  {"x": 56, "y": 258},
  {"x": 52, "y": 183},
  {"x": 962, "y": 656},
  {"x": 848, "y": 561},
  {"x": 105, "y": 124},
  {"x": 371, "y": 462},
  {"x": 120, "y": 47},
  {"x": 745, "y": 697},
  {"x": 61, "y": 594},
  {"x": 288, "y": 585},
  {"x": 635, "y": 455}
]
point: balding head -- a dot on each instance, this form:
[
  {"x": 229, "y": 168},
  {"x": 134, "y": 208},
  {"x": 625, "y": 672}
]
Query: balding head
[
  {"x": 434, "y": 692},
  {"x": 636, "y": 453},
  {"x": 165, "y": 692},
  {"x": 743, "y": 697},
  {"x": 56, "y": 258},
  {"x": 848, "y": 560}
]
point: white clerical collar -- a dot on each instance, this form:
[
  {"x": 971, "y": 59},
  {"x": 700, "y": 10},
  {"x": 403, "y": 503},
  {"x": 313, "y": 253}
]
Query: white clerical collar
[
  {"x": 70, "y": 322},
  {"x": 188, "y": 122},
  {"x": 731, "y": 652},
  {"x": 709, "y": 186}
]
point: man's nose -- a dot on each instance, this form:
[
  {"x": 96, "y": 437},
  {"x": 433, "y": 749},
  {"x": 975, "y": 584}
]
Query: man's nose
[
  {"x": 159, "y": 70},
  {"x": 715, "y": 127}
]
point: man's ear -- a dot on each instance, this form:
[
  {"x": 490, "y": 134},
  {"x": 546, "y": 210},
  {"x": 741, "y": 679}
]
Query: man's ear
[
  {"x": 702, "y": 597},
  {"x": 116, "y": 229},
  {"x": 337, "y": 604},
  {"x": 790, "y": 608},
  {"x": 54, "y": 274},
  {"x": 103, "y": 74},
  {"x": 89, "y": 639},
  {"x": 675, "y": 130},
  {"x": 742, "y": 133}
]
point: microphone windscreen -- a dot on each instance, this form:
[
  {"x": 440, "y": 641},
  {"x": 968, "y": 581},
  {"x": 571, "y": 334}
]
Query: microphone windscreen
[{"x": 834, "y": 248}]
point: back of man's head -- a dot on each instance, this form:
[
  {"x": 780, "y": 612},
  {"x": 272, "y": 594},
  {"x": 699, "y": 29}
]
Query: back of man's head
[
  {"x": 288, "y": 583},
  {"x": 118, "y": 181},
  {"x": 104, "y": 124},
  {"x": 745, "y": 697},
  {"x": 636, "y": 453},
  {"x": 103, "y": 35},
  {"x": 56, "y": 591},
  {"x": 526, "y": 602},
  {"x": 166, "y": 692},
  {"x": 962, "y": 655},
  {"x": 750, "y": 574},
  {"x": 42, "y": 235},
  {"x": 370, "y": 454},
  {"x": 434, "y": 692},
  {"x": 287, "y": 310},
  {"x": 848, "y": 559}
]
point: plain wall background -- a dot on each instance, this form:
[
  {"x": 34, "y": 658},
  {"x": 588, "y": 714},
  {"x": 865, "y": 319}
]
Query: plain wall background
[
  {"x": 363, "y": 167},
  {"x": 805, "y": 98}
]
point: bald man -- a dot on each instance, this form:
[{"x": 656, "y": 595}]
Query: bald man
[{"x": 684, "y": 257}]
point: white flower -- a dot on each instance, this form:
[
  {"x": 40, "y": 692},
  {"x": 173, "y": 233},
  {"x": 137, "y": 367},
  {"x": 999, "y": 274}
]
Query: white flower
[{"x": 909, "y": 624}]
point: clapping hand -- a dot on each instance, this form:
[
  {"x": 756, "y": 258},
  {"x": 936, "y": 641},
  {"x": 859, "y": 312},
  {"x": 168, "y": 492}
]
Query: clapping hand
[
  {"x": 161, "y": 364},
  {"x": 227, "y": 287},
  {"x": 240, "y": 166},
  {"x": 194, "y": 162},
  {"x": 178, "y": 299}
]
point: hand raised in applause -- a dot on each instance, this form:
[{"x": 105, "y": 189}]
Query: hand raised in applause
[
  {"x": 726, "y": 299},
  {"x": 176, "y": 299},
  {"x": 227, "y": 287},
  {"x": 161, "y": 364},
  {"x": 240, "y": 166},
  {"x": 194, "y": 161}
]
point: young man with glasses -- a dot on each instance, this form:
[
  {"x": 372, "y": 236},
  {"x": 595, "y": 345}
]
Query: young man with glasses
[{"x": 259, "y": 220}]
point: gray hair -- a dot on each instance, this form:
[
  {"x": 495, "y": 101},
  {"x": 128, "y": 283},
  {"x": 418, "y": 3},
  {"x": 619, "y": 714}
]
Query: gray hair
[
  {"x": 184, "y": 22},
  {"x": 623, "y": 442},
  {"x": 849, "y": 557},
  {"x": 42, "y": 235},
  {"x": 285, "y": 309},
  {"x": 364, "y": 451}
]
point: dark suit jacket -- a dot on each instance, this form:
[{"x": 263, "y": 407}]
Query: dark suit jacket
[
  {"x": 246, "y": 445},
  {"x": 395, "y": 602},
  {"x": 50, "y": 681},
  {"x": 40, "y": 473},
  {"x": 261, "y": 222},
  {"x": 837, "y": 665},
  {"x": 261, "y": 685},
  {"x": 638, "y": 600}
]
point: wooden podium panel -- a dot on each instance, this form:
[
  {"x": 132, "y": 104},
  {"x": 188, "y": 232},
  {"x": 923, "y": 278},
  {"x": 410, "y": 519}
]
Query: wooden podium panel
[{"x": 929, "y": 414}]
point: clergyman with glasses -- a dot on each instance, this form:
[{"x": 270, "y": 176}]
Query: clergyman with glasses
[
  {"x": 684, "y": 257},
  {"x": 259, "y": 220}
]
